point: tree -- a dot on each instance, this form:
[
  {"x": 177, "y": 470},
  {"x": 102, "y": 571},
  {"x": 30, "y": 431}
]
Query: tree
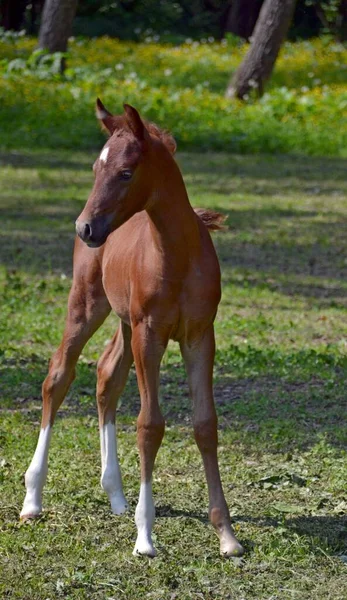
[
  {"x": 270, "y": 31},
  {"x": 241, "y": 17},
  {"x": 56, "y": 25}
]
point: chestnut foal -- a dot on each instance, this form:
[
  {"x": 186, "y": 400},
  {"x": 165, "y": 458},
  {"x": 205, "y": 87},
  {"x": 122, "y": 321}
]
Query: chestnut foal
[{"x": 144, "y": 252}]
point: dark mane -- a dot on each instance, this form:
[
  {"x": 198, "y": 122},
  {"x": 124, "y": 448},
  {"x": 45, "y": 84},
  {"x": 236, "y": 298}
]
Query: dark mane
[{"x": 163, "y": 135}]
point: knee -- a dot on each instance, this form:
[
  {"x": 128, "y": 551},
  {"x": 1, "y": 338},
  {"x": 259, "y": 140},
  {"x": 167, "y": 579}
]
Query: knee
[
  {"x": 150, "y": 429},
  {"x": 104, "y": 374},
  {"x": 59, "y": 374},
  {"x": 205, "y": 432},
  {"x": 108, "y": 386},
  {"x": 102, "y": 379}
]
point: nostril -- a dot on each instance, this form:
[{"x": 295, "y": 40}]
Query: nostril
[
  {"x": 87, "y": 231},
  {"x": 84, "y": 231}
]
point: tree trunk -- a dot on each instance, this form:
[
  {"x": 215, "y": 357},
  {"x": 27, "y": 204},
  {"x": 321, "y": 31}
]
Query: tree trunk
[
  {"x": 56, "y": 24},
  {"x": 241, "y": 17},
  {"x": 270, "y": 31}
]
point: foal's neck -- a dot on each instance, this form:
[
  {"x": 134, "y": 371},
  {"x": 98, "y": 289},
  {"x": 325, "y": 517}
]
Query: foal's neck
[{"x": 173, "y": 222}]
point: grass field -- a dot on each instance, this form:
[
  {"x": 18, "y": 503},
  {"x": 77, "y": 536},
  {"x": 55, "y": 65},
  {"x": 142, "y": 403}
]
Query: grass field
[{"x": 280, "y": 387}]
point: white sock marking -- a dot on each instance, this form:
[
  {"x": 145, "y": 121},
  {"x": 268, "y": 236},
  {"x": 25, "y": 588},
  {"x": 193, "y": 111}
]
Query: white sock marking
[
  {"x": 36, "y": 474},
  {"x": 104, "y": 154},
  {"x": 144, "y": 519},
  {"x": 111, "y": 479}
]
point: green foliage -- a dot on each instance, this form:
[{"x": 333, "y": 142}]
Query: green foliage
[
  {"x": 330, "y": 15},
  {"x": 145, "y": 18},
  {"x": 179, "y": 87},
  {"x": 330, "y": 8},
  {"x": 40, "y": 63},
  {"x": 139, "y": 20}
]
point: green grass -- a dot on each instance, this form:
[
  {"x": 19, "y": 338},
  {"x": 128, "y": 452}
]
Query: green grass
[
  {"x": 180, "y": 87},
  {"x": 280, "y": 388}
]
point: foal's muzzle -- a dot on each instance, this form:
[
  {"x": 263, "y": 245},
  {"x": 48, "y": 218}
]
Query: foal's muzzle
[{"x": 94, "y": 233}]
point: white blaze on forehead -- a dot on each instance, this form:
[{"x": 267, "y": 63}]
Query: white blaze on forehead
[{"x": 104, "y": 154}]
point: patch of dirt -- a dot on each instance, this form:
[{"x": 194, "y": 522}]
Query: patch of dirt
[{"x": 263, "y": 386}]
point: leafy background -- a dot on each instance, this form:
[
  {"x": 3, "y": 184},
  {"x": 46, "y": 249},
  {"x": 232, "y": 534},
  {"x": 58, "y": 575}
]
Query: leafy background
[{"x": 182, "y": 88}]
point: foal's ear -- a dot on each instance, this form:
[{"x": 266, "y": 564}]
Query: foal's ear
[
  {"x": 107, "y": 120},
  {"x": 135, "y": 122}
]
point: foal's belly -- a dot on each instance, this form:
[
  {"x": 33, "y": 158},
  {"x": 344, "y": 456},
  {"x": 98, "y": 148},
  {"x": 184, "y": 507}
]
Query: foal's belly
[
  {"x": 177, "y": 308},
  {"x": 138, "y": 297}
]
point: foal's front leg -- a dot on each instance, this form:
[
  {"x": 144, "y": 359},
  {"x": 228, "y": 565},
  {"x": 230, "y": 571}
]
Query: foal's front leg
[
  {"x": 148, "y": 349},
  {"x": 113, "y": 370},
  {"x": 87, "y": 309},
  {"x": 198, "y": 355}
]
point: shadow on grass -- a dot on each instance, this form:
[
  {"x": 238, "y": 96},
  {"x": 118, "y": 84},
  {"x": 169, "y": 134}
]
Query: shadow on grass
[
  {"x": 324, "y": 257},
  {"x": 49, "y": 159},
  {"x": 279, "y": 408},
  {"x": 320, "y": 531},
  {"x": 319, "y": 296},
  {"x": 269, "y": 244},
  {"x": 255, "y": 167},
  {"x": 329, "y": 532},
  {"x": 166, "y": 511},
  {"x": 39, "y": 251},
  {"x": 262, "y": 172},
  {"x": 38, "y": 245}
]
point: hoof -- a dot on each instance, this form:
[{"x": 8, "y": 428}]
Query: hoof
[
  {"x": 229, "y": 545},
  {"x": 31, "y": 508},
  {"x": 29, "y": 516},
  {"x": 119, "y": 505},
  {"x": 231, "y": 548},
  {"x": 144, "y": 547}
]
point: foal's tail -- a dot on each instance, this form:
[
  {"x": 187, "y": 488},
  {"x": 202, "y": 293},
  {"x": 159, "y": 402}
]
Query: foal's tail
[{"x": 213, "y": 220}]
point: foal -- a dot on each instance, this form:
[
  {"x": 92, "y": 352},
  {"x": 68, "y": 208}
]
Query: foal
[{"x": 142, "y": 251}]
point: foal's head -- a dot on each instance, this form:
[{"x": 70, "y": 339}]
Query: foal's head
[{"x": 123, "y": 173}]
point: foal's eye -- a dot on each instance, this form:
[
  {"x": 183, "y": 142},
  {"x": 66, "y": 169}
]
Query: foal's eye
[{"x": 126, "y": 174}]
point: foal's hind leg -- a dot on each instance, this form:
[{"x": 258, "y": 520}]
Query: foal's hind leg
[
  {"x": 113, "y": 369},
  {"x": 199, "y": 357},
  {"x": 87, "y": 309}
]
